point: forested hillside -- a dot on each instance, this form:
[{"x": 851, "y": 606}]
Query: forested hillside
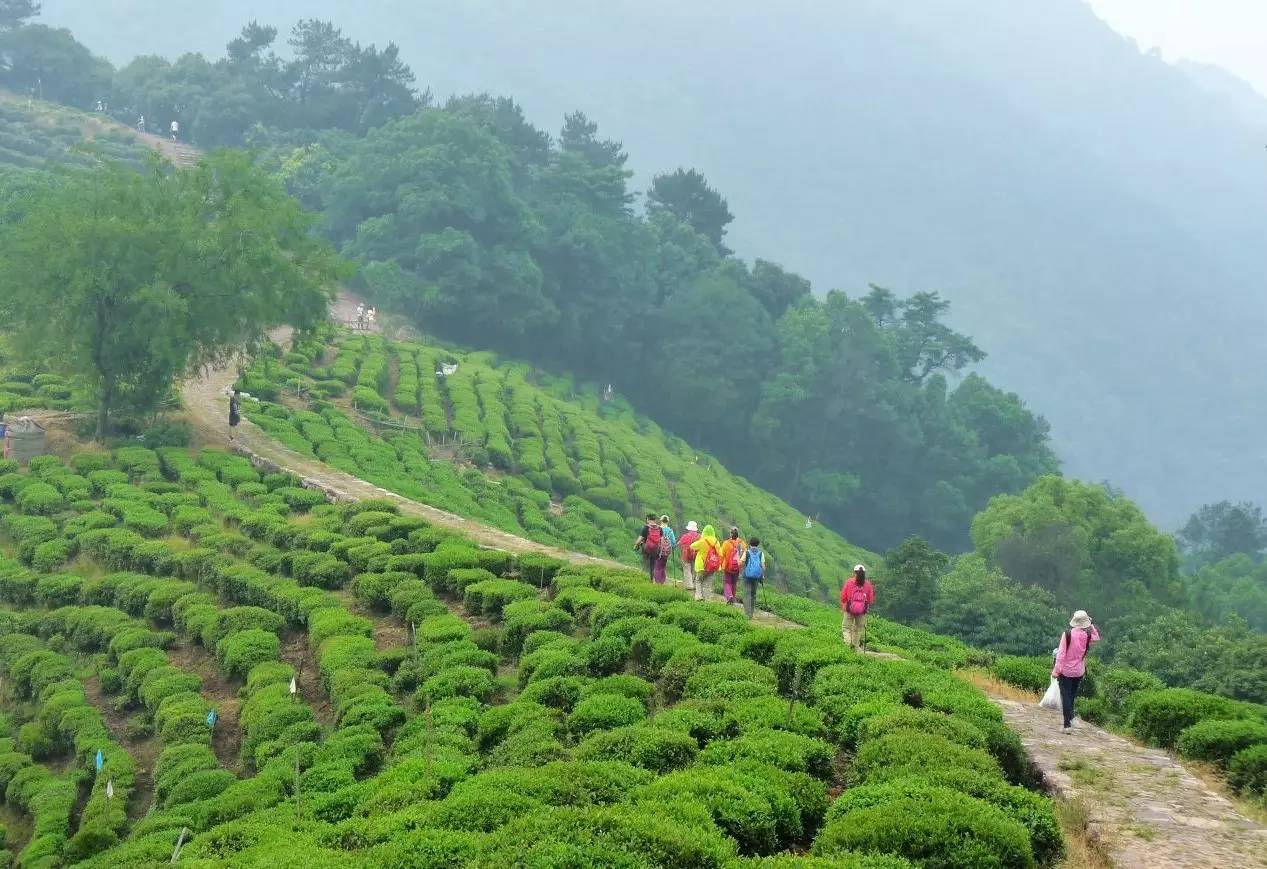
[{"x": 1094, "y": 215}]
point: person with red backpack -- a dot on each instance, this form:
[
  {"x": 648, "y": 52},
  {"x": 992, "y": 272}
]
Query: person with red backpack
[
  {"x": 663, "y": 543},
  {"x": 688, "y": 555},
  {"x": 732, "y": 562},
  {"x": 646, "y": 546},
  {"x": 1071, "y": 662},
  {"x": 707, "y": 551},
  {"x": 856, "y": 597}
]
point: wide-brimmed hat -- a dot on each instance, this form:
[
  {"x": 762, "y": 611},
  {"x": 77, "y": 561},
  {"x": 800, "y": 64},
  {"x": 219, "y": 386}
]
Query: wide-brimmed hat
[
  {"x": 691, "y": 526},
  {"x": 1080, "y": 620},
  {"x": 664, "y": 519},
  {"x": 858, "y": 567}
]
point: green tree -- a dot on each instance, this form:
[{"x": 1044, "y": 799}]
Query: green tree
[
  {"x": 1217, "y": 531},
  {"x": 14, "y": 13},
  {"x": 912, "y": 572},
  {"x": 685, "y": 193},
  {"x": 50, "y": 63},
  {"x": 1059, "y": 526},
  {"x": 133, "y": 280},
  {"x": 986, "y": 609}
]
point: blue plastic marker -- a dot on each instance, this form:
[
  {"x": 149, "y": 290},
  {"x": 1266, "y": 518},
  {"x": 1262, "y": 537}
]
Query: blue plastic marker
[
  {"x": 100, "y": 760},
  {"x": 211, "y": 718}
]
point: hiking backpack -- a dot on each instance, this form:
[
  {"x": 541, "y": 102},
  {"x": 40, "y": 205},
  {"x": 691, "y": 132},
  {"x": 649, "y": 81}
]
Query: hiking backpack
[
  {"x": 732, "y": 562},
  {"x": 651, "y": 545},
  {"x": 665, "y": 547},
  {"x": 857, "y": 601},
  {"x": 712, "y": 559},
  {"x": 753, "y": 567}
]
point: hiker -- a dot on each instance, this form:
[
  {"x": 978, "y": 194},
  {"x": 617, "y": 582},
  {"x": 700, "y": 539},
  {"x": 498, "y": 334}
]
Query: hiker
[
  {"x": 1071, "y": 662},
  {"x": 753, "y": 574},
  {"x": 663, "y": 549},
  {"x": 856, "y": 597},
  {"x": 688, "y": 556},
  {"x": 140, "y": 124},
  {"x": 175, "y": 130},
  {"x": 644, "y": 543},
  {"x": 732, "y": 561},
  {"x": 360, "y": 316},
  {"x": 370, "y": 314},
  {"x": 707, "y": 561},
  {"x": 235, "y": 413}
]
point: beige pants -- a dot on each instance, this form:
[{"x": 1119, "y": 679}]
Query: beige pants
[
  {"x": 851, "y": 629},
  {"x": 703, "y": 584},
  {"x": 688, "y": 575}
]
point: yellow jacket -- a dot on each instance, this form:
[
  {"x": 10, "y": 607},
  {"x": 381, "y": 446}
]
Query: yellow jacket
[{"x": 707, "y": 540}]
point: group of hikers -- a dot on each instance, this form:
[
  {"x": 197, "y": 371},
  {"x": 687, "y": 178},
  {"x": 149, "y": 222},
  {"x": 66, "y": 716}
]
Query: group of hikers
[{"x": 703, "y": 555}]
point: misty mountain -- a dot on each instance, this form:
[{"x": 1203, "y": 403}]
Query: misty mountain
[{"x": 1095, "y": 214}]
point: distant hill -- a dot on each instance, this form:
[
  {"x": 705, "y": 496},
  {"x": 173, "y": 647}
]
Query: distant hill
[{"x": 1096, "y": 216}]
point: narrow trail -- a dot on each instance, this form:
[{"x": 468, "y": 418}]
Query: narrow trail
[{"x": 1145, "y": 809}]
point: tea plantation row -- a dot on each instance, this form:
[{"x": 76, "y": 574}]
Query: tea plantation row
[
  {"x": 455, "y": 706},
  {"x": 551, "y": 463}
]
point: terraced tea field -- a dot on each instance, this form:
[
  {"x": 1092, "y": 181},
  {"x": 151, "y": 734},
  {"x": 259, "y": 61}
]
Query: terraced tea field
[
  {"x": 194, "y": 653},
  {"x": 38, "y": 135},
  {"x": 531, "y": 454}
]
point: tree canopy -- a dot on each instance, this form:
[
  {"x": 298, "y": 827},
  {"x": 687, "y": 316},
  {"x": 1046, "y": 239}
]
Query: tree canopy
[{"x": 133, "y": 280}]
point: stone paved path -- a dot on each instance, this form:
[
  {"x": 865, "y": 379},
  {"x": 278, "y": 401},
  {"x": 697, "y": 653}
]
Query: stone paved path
[{"x": 1145, "y": 808}]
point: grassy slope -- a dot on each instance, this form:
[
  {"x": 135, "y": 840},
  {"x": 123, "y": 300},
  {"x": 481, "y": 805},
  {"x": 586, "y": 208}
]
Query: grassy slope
[
  {"x": 532, "y": 454},
  {"x": 37, "y": 135}
]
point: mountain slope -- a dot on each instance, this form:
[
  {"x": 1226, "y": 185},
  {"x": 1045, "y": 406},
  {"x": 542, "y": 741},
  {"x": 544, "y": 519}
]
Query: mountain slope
[
  {"x": 533, "y": 455},
  {"x": 1095, "y": 216}
]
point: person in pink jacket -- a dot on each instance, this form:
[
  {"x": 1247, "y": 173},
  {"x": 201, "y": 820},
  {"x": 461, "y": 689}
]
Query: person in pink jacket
[{"x": 1071, "y": 661}]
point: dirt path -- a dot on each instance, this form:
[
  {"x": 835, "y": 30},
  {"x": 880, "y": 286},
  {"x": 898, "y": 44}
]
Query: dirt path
[{"x": 1143, "y": 806}]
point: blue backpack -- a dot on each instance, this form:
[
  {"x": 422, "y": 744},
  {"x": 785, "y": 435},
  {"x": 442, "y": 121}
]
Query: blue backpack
[{"x": 753, "y": 567}]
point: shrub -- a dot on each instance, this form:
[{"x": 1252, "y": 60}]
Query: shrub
[
  {"x": 605, "y": 711},
  {"x": 39, "y": 499},
  {"x": 622, "y": 684},
  {"x": 1159, "y": 716},
  {"x": 608, "y": 836},
  {"x": 907, "y": 753},
  {"x": 929, "y": 825},
  {"x": 461, "y": 681},
  {"x": 744, "y": 815},
  {"x": 656, "y": 749},
  {"x": 1247, "y": 770},
  {"x": 239, "y": 652},
  {"x": 198, "y": 786},
  {"x": 490, "y": 596},
  {"x": 1217, "y": 741},
  {"x": 788, "y": 751},
  {"x": 1032, "y": 674}
]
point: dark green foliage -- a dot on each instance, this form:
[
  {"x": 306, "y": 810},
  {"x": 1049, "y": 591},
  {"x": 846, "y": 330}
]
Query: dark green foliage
[
  {"x": 1218, "y": 741},
  {"x": 1247, "y": 771},
  {"x": 929, "y": 825},
  {"x": 1159, "y": 716},
  {"x": 655, "y": 749}
]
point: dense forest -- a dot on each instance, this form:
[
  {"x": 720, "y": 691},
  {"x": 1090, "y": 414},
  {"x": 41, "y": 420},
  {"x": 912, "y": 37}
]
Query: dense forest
[
  {"x": 486, "y": 230},
  {"x": 1095, "y": 214}
]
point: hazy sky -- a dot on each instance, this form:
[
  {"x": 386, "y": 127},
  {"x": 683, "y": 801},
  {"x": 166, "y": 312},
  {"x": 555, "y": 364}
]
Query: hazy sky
[{"x": 1231, "y": 33}]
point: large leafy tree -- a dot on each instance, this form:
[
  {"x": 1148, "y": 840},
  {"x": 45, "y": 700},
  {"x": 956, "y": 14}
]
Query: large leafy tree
[
  {"x": 1095, "y": 548},
  {"x": 133, "y": 280},
  {"x": 1217, "y": 531},
  {"x": 685, "y": 193}
]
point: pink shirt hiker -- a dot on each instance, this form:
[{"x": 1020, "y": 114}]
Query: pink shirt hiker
[{"x": 1072, "y": 661}]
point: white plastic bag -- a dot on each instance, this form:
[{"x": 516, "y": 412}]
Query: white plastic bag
[{"x": 1051, "y": 700}]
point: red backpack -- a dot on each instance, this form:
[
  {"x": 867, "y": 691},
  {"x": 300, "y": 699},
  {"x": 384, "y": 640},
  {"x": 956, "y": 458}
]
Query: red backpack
[
  {"x": 651, "y": 545},
  {"x": 712, "y": 560},
  {"x": 857, "y": 604},
  {"x": 732, "y": 562}
]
